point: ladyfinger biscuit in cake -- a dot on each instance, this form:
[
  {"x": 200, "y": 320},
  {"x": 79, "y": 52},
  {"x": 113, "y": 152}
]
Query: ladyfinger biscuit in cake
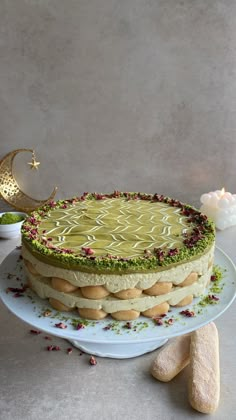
[
  {"x": 62, "y": 285},
  {"x": 128, "y": 315},
  {"x": 192, "y": 278},
  {"x": 59, "y": 306},
  {"x": 94, "y": 292},
  {"x": 31, "y": 268},
  {"x": 156, "y": 310},
  {"x": 171, "y": 359},
  {"x": 92, "y": 313},
  {"x": 185, "y": 301},
  {"x": 204, "y": 380},
  {"x": 160, "y": 288},
  {"x": 128, "y": 293}
]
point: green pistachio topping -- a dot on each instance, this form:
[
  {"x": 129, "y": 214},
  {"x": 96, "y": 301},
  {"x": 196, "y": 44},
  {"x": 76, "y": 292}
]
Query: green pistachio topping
[
  {"x": 119, "y": 232},
  {"x": 9, "y": 218}
]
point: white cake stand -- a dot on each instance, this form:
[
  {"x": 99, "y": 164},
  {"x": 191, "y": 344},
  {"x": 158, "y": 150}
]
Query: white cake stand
[{"x": 109, "y": 338}]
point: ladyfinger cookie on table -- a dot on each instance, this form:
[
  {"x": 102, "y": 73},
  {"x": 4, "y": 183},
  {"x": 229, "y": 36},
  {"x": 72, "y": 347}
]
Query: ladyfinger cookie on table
[
  {"x": 171, "y": 359},
  {"x": 204, "y": 380}
]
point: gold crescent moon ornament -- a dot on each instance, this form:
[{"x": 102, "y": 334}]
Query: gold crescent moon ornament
[{"x": 9, "y": 188}]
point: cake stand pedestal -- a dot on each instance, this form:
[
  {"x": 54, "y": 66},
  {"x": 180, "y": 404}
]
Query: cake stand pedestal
[{"x": 118, "y": 351}]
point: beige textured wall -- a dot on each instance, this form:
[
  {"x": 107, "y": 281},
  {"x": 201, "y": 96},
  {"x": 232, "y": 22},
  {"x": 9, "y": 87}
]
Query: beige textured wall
[{"x": 128, "y": 94}]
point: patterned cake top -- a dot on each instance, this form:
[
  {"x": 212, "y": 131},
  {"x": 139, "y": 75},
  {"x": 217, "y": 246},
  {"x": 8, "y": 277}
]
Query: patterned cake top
[{"x": 127, "y": 232}]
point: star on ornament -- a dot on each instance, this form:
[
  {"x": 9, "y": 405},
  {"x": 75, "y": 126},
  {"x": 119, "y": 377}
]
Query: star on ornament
[{"x": 34, "y": 164}]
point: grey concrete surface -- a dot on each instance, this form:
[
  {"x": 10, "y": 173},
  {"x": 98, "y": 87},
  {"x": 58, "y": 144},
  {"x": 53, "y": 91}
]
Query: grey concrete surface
[{"x": 128, "y": 95}]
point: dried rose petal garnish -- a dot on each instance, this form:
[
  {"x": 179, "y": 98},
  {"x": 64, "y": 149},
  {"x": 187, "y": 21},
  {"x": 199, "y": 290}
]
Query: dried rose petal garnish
[
  {"x": 16, "y": 289},
  {"x": 159, "y": 254},
  {"x": 187, "y": 313},
  {"x": 92, "y": 360},
  {"x": 61, "y": 325},
  {"x": 16, "y": 295},
  {"x": 69, "y": 350},
  {"x": 53, "y": 348},
  {"x": 173, "y": 252},
  {"x": 47, "y": 337},
  {"x": 158, "y": 321},
  {"x": 35, "y": 332},
  {"x": 87, "y": 251},
  {"x": 213, "y": 297},
  {"x": 80, "y": 326},
  {"x": 56, "y": 348},
  {"x": 170, "y": 321},
  {"x": 49, "y": 348}
]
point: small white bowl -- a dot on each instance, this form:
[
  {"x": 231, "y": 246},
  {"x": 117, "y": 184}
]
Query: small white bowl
[{"x": 11, "y": 230}]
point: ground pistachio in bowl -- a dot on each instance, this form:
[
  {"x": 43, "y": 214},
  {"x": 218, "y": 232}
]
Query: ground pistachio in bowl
[{"x": 10, "y": 224}]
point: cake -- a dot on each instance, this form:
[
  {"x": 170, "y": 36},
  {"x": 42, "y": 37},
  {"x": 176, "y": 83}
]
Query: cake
[{"x": 121, "y": 255}]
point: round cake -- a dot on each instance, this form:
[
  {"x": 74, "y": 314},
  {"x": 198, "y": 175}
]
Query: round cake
[{"x": 120, "y": 254}]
